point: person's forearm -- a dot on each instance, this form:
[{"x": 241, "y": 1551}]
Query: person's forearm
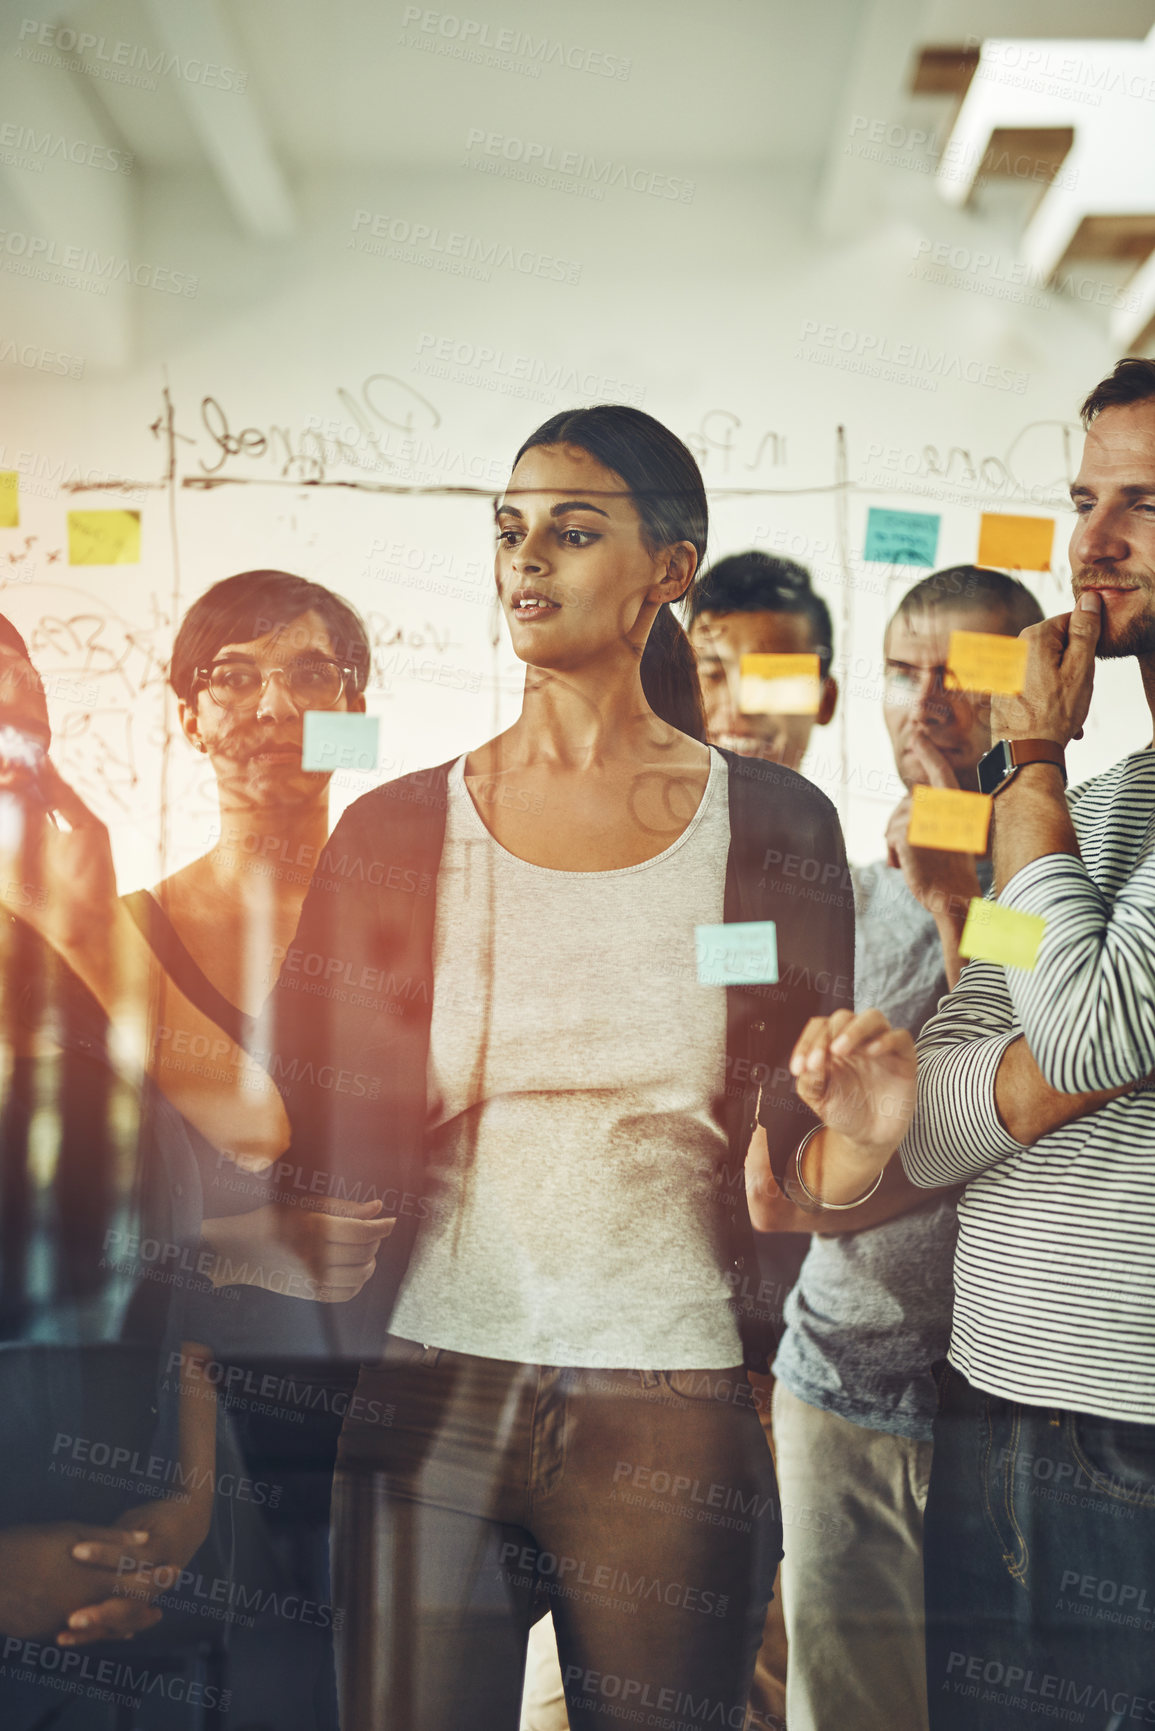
[
  {"x": 198, "y": 1412},
  {"x": 835, "y": 1170},
  {"x": 182, "y": 1522},
  {"x": 230, "y": 1237},
  {"x": 1028, "y": 1107},
  {"x": 770, "y": 1211},
  {"x": 949, "y": 925},
  {"x": 244, "y": 1114},
  {"x": 1031, "y": 818}
]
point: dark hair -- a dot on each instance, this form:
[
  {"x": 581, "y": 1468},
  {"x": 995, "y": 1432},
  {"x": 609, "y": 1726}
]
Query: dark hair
[
  {"x": 1133, "y": 381},
  {"x": 758, "y": 582},
  {"x": 666, "y": 486},
  {"x": 239, "y": 608},
  {"x": 970, "y": 586},
  {"x": 10, "y": 638}
]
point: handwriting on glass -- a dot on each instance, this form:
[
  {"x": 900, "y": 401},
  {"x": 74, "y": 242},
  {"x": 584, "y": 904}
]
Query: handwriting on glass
[{"x": 383, "y": 408}]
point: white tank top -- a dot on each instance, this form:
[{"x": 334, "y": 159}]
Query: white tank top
[{"x": 575, "y": 1078}]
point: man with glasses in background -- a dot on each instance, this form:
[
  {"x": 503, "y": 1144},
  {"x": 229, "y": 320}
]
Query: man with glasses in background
[
  {"x": 855, "y": 1399},
  {"x": 252, "y": 656}
]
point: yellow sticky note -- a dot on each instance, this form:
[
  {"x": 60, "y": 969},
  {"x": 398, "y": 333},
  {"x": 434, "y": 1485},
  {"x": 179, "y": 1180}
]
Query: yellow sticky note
[
  {"x": 1016, "y": 543},
  {"x": 984, "y": 661},
  {"x": 949, "y": 818},
  {"x": 779, "y": 685},
  {"x": 997, "y": 934},
  {"x": 104, "y": 537},
  {"x": 9, "y": 499}
]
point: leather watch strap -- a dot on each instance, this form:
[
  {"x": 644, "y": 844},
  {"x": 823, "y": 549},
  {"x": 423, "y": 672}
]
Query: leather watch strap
[{"x": 1037, "y": 751}]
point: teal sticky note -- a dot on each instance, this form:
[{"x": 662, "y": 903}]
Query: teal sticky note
[
  {"x": 901, "y": 537},
  {"x": 743, "y": 954},
  {"x": 337, "y": 741}
]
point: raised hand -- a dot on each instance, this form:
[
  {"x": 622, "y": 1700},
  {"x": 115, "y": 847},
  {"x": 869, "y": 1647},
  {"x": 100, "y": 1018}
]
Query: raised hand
[
  {"x": 1059, "y": 678},
  {"x": 58, "y": 875},
  {"x": 857, "y": 1074},
  {"x": 942, "y": 880}
]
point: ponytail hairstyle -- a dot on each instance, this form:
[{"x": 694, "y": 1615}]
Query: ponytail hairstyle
[{"x": 666, "y": 487}]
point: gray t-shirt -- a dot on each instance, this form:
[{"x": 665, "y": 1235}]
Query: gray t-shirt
[
  {"x": 872, "y": 1310},
  {"x": 576, "y": 1070}
]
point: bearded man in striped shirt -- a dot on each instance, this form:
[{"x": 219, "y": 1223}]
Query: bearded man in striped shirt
[{"x": 1036, "y": 1090}]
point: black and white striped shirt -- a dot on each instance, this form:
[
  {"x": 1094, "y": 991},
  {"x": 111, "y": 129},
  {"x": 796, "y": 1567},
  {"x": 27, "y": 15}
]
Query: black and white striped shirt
[{"x": 1055, "y": 1268}]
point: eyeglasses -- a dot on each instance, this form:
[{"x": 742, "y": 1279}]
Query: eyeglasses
[{"x": 316, "y": 682}]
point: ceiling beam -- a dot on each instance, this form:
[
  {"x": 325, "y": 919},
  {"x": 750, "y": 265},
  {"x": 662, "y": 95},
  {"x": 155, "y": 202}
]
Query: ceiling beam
[
  {"x": 68, "y": 183},
  {"x": 876, "y": 91},
  {"x": 224, "y": 116}
]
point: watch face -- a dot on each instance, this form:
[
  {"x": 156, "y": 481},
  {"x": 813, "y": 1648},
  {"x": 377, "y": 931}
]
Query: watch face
[{"x": 994, "y": 767}]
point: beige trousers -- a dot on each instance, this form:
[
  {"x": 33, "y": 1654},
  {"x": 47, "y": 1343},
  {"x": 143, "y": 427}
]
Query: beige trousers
[
  {"x": 543, "y": 1703},
  {"x": 852, "y": 1510}
]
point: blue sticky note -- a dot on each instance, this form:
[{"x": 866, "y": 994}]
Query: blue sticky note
[
  {"x": 334, "y": 740},
  {"x": 744, "y": 954},
  {"x": 901, "y": 537}
]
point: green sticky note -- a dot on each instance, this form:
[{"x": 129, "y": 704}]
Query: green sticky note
[
  {"x": 334, "y": 740},
  {"x": 743, "y": 954},
  {"x": 900, "y": 537},
  {"x": 997, "y": 934},
  {"x": 9, "y": 499},
  {"x": 104, "y": 537}
]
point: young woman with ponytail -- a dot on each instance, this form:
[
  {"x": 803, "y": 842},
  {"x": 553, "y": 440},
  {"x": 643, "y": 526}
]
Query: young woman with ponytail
[{"x": 558, "y": 1094}]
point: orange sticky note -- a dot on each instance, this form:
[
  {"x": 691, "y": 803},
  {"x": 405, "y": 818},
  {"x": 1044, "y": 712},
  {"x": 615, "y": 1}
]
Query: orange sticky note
[
  {"x": 984, "y": 661},
  {"x": 1016, "y": 543},
  {"x": 779, "y": 685},
  {"x": 997, "y": 934},
  {"x": 949, "y": 818},
  {"x": 104, "y": 537},
  {"x": 9, "y": 499}
]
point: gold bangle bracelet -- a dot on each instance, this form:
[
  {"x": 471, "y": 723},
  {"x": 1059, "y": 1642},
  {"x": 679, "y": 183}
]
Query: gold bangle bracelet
[{"x": 815, "y": 1203}]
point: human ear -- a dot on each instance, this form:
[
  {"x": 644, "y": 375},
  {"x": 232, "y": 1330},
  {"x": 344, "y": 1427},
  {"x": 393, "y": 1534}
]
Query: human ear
[
  {"x": 681, "y": 562},
  {"x": 190, "y": 725},
  {"x": 827, "y": 702}
]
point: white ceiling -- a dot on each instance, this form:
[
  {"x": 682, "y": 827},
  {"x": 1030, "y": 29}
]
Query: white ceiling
[
  {"x": 740, "y": 81},
  {"x": 735, "y": 83}
]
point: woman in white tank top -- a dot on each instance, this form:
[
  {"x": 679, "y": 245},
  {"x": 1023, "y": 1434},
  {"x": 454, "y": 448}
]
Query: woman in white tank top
[{"x": 570, "y": 1426}]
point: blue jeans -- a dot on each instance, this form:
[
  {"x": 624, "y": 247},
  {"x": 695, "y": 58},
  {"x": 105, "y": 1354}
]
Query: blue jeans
[
  {"x": 472, "y": 1494},
  {"x": 1039, "y": 1552}
]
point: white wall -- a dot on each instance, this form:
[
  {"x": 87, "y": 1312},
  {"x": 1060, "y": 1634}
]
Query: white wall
[{"x": 720, "y": 313}]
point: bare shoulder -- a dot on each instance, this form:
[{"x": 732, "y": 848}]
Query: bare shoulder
[
  {"x": 676, "y": 758},
  {"x": 187, "y": 897},
  {"x": 494, "y": 757}
]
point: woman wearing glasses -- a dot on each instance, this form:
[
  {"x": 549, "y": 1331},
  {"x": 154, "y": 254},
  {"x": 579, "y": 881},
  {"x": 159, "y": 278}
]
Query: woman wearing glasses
[{"x": 566, "y": 1002}]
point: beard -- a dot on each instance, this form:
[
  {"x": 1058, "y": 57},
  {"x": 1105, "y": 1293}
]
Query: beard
[
  {"x": 1135, "y": 638},
  {"x": 1138, "y": 639},
  {"x": 1119, "y": 642}
]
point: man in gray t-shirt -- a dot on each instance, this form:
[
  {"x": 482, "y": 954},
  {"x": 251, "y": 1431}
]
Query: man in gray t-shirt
[
  {"x": 871, "y": 1312},
  {"x": 872, "y": 1309}
]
